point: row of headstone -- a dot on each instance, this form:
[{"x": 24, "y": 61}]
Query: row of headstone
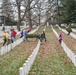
[
  {"x": 73, "y": 30},
  {"x": 66, "y": 27},
  {"x": 9, "y": 47},
  {"x": 9, "y": 27},
  {"x": 6, "y": 49},
  {"x": 24, "y": 70},
  {"x": 69, "y": 52},
  {"x": 72, "y": 34}
]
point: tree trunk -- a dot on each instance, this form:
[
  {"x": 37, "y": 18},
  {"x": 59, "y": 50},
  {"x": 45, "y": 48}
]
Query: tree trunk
[
  {"x": 29, "y": 14},
  {"x": 39, "y": 15},
  {"x": 19, "y": 19},
  {"x": 39, "y": 18},
  {"x": 30, "y": 21}
]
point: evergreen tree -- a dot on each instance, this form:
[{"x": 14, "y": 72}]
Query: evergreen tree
[{"x": 69, "y": 11}]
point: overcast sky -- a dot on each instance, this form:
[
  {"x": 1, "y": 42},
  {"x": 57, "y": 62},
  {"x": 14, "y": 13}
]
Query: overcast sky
[{"x": 0, "y": 0}]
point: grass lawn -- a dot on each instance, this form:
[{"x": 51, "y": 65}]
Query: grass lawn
[
  {"x": 40, "y": 30},
  {"x": 13, "y": 60},
  {"x": 51, "y": 59}
]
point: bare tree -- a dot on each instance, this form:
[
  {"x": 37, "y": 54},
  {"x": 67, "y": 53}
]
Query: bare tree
[
  {"x": 25, "y": 10},
  {"x": 18, "y": 3},
  {"x": 27, "y": 6},
  {"x": 6, "y": 7},
  {"x": 51, "y": 11},
  {"x": 7, "y": 10}
]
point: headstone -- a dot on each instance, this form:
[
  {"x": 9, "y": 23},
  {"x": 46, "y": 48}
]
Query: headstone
[{"x": 47, "y": 24}]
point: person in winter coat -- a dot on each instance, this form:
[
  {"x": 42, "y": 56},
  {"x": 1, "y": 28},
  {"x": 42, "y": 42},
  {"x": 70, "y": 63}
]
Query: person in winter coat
[
  {"x": 8, "y": 36},
  {"x": 21, "y": 34},
  {"x": 29, "y": 29},
  {"x": 25, "y": 35},
  {"x": 60, "y": 38},
  {"x": 44, "y": 36},
  {"x": 13, "y": 35},
  {"x": 4, "y": 38},
  {"x": 37, "y": 36}
]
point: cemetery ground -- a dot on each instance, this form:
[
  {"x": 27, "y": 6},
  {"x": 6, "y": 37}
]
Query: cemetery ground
[
  {"x": 63, "y": 27},
  {"x": 69, "y": 40},
  {"x": 13, "y": 60},
  {"x": 51, "y": 58}
]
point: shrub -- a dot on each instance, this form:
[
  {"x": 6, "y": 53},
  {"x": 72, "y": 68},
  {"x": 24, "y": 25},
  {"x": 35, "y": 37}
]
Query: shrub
[{"x": 31, "y": 35}]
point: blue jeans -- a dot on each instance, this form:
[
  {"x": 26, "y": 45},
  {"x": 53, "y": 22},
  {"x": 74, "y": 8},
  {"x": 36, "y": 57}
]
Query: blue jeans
[
  {"x": 14, "y": 38},
  {"x": 25, "y": 38}
]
